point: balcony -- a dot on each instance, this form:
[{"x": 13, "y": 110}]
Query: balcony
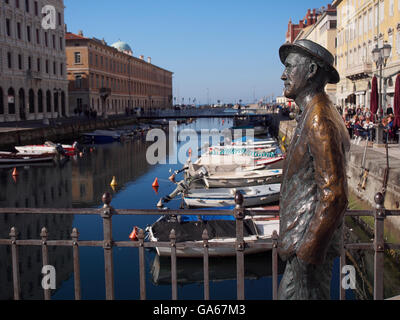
[{"x": 361, "y": 71}]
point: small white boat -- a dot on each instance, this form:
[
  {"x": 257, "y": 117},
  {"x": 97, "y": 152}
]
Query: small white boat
[
  {"x": 257, "y": 229},
  {"x": 242, "y": 178},
  {"x": 48, "y": 147},
  {"x": 12, "y": 157},
  {"x": 222, "y": 197}
]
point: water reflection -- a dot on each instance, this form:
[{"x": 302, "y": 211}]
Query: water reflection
[
  {"x": 190, "y": 271},
  {"x": 92, "y": 174}
]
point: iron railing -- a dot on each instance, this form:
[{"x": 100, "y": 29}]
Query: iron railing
[{"x": 107, "y": 212}]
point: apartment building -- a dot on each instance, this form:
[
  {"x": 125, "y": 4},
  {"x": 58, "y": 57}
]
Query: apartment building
[{"x": 361, "y": 26}]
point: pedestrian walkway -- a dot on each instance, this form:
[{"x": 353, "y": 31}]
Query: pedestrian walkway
[{"x": 393, "y": 148}]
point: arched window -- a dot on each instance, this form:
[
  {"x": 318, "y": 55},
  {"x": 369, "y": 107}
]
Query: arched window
[
  {"x": 31, "y": 101},
  {"x": 55, "y": 101},
  {"x": 22, "y": 107},
  {"x": 48, "y": 101},
  {"x": 63, "y": 111},
  {"x": 11, "y": 101},
  {"x": 40, "y": 101}
]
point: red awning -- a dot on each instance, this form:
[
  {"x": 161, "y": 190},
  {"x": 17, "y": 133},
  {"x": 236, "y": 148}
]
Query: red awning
[{"x": 374, "y": 96}]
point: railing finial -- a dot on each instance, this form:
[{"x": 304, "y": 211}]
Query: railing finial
[
  {"x": 106, "y": 198},
  {"x": 379, "y": 200},
  {"x": 239, "y": 199}
]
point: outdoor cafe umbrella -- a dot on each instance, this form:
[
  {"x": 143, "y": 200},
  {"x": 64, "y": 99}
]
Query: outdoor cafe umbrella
[
  {"x": 374, "y": 97},
  {"x": 396, "y": 123}
]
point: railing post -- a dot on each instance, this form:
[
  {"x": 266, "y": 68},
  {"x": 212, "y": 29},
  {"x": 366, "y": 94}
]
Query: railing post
[
  {"x": 142, "y": 274},
  {"x": 106, "y": 214},
  {"x": 174, "y": 282},
  {"x": 15, "y": 263},
  {"x": 77, "y": 271},
  {"x": 379, "y": 246},
  {"x": 206, "y": 270},
  {"x": 275, "y": 265},
  {"x": 239, "y": 213},
  {"x": 45, "y": 257}
]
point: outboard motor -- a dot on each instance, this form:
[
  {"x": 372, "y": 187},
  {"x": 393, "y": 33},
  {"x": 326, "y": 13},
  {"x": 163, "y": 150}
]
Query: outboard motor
[
  {"x": 181, "y": 188},
  {"x": 77, "y": 146},
  {"x": 61, "y": 152}
]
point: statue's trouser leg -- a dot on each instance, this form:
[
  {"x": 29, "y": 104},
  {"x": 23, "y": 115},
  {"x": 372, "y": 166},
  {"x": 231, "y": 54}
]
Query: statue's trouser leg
[{"x": 303, "y": 281}]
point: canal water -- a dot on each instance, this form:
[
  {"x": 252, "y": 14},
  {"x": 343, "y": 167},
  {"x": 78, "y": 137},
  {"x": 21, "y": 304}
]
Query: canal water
[{"x": 80, "y": 183}]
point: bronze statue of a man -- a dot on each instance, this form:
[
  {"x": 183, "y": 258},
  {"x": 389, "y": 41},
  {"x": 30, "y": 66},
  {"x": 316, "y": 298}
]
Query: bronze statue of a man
[{"x": 314, "y": 188}]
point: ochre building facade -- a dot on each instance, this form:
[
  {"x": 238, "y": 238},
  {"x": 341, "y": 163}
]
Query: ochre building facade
[{"x": 110, "y": 80}]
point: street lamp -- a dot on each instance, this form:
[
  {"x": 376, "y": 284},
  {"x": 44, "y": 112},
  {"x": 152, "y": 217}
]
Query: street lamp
[{"x": 380, "y": 57}]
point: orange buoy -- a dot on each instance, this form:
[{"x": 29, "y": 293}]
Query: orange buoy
[
  {"x": 15, "y": 172},
  {"x": 134, "y": 234},
  {"x": 155, "y": 183}
]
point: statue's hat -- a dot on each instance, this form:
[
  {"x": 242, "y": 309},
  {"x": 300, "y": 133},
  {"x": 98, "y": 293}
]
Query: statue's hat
[{"x": 313, "y": 50}]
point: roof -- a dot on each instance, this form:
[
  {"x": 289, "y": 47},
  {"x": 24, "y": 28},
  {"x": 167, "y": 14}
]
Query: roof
[{"x": 73, "y": 36}]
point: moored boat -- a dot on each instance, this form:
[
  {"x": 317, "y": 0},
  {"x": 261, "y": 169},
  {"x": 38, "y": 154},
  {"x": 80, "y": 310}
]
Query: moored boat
[
  {"x": 12, "y": 157},
  {"x": 221, "y": 229},
  {"x": 222, "y": 197},
  {"x": 48, "y": 147},
  {"x": 242, "y": 178},
  {"x": 103, "y": 136}
]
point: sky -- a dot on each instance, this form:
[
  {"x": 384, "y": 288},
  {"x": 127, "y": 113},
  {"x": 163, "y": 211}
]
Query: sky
[{"x": 223, "y": 50}]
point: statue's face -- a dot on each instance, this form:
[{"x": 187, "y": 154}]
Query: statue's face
[{"x": 295, "y": 74}]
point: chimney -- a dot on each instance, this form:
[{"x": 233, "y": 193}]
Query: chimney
[
  {"x": 149, "y": 59},
  {"x": 141, "y": 57},
  {"x": 80, "y": 33}
]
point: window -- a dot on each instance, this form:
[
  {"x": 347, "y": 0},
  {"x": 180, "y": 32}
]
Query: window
[
  {"x": 19, "y": 30},
  {"x": 365, "y": 23},
  {"x": 9, "y": 60},
  {"x": 381, "y": 11},
  {"x": 391, "y": 8},
  {"x": 36, "y": 8},
  {"x": 398, "y": 41},
  {"x": 46, "y": 39},
  {"x": 29, "y": 63},
  {"x": 61, "y": 69},
  {"x": 77, "y": 57},
  {"x": 78, "y": 81},
  {"x": 28, "y": 33},
  {"x": 61, "y": 43},
  {"x": 54, "y": 68},
  {"x": 38, "y": 64},
  {"x": 20, "y": 62},
  {"x": 59, "y": 19},
  {"x": 8, "y": 27},
  {"x": 27, "y": 5},
  {"x": 37, "y": 36},
  {"x": 54, "y": 41},
  {"x": 16, "y": 3},
  {"x": 47, "y": 66}
]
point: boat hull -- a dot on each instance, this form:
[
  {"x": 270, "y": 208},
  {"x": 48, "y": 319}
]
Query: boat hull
[
  {"x": 240, "y": 182},
  {"x": 8, "y": 158},
  {"x": 224, "y": 247}
]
